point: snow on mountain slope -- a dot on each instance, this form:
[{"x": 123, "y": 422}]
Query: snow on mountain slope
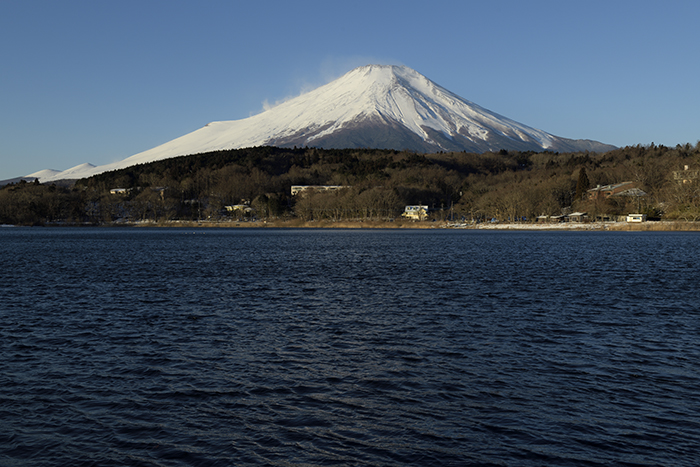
[
  {"x": 371, "y": 106},
  {"x": 74, "y": 172},
  {"x": 46, "y": 173}
]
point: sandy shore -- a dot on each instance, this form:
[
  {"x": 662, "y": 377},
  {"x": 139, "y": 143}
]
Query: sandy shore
[
  {"x": 617, "y": 226},
  {"x": 529, "y": 226}
]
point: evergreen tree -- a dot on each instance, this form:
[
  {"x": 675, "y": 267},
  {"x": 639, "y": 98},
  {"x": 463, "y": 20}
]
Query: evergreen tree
[{"x": 582, "y": 184}]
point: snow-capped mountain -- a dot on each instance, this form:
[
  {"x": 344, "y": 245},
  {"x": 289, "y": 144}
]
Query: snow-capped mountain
[{"x": 374, "y": 106}]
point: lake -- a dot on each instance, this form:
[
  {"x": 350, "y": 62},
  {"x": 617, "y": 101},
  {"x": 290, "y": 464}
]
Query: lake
[{"x": 155, "y": 347}]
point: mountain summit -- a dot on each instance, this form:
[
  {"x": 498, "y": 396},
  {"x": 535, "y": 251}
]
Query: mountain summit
[{"x": 375, "y": 106}]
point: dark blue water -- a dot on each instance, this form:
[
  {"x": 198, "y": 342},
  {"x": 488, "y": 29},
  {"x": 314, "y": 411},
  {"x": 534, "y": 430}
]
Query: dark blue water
[{"x": 331, "y": 347}]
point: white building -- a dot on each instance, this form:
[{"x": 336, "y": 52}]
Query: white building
[
  {"x": 296, "y": 189},
  {"x": 418, "y": 212},
  {"x": 636, "y": 217}
]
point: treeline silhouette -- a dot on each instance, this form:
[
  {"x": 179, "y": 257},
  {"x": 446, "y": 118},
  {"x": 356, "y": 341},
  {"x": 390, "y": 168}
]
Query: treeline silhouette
[{"x": 378, "y": 184}]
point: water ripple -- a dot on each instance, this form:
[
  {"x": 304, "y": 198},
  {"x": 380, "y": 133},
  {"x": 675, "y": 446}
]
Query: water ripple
[{"x": 155, "y": 347}]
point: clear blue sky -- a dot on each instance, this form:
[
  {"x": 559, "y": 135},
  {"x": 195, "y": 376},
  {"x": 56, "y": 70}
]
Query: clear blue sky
[{"x": 98, "y": 81}]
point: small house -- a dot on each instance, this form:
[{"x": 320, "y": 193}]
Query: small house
[
  {"x": 559, "y": 218},
  {"x": 242, "y": 208},
  {"x": 296, "y": 189},
  {"x": 417, "y": 212},
  {"x": 686, "y": 175},
  {"x": 606, "y": 191},
  {"x": 636, "y": 217},
  {"x": 578, "y": 217}
]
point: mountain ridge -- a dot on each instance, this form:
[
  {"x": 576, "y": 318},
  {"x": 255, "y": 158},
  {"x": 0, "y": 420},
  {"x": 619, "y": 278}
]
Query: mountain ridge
[{"x": 378, "y": 106}]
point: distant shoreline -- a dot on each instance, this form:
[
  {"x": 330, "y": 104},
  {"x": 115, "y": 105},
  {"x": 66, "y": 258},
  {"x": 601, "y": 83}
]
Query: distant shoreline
[
  {"x": 650, "y": 226},
  {"x": 656, "y": 226}
]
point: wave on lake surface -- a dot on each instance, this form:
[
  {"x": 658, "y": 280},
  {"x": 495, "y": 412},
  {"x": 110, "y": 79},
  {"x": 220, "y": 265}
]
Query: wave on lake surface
[{"x": 343, "y": 347}]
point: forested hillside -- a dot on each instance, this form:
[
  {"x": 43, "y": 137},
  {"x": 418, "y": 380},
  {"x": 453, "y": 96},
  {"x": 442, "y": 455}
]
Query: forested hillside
[{"x": 507, "y": 185}]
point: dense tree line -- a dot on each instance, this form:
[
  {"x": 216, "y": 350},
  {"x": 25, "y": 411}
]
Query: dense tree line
[{"x": 506, "y": 185}]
